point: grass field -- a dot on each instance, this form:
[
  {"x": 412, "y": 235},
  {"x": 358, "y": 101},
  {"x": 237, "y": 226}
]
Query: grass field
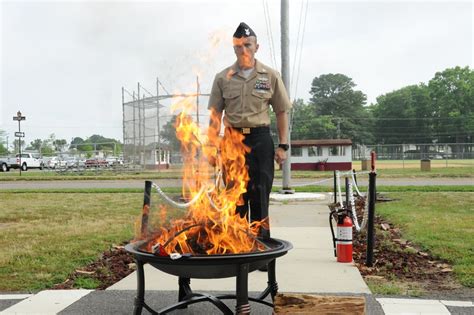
[
  {"x": 440, "y": 222},
  {"x": 46, "y": 236},
  {"x": 415, "y": 164}
]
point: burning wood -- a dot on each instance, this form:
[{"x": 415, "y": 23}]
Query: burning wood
[{"x": 211, "y": 225}]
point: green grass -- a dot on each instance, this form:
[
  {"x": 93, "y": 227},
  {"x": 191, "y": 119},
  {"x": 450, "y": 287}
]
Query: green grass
[
  {"x": 35, "y": 175},
  {"x": 44, "y": 237},
  {"x": 440, "y": 222},
  {"x": 86, "y": 283},
  {"x": 393, "y": 287}
]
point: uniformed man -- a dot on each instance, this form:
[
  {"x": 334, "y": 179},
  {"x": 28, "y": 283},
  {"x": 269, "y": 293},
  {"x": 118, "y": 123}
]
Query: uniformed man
[{"x": 244, "y": 92}]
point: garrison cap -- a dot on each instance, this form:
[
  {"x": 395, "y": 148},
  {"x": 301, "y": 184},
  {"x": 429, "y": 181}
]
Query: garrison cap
[{"x": 244, "y": 31}]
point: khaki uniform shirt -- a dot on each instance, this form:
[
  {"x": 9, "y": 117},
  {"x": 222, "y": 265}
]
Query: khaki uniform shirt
[{"x": 246, "y": 101}]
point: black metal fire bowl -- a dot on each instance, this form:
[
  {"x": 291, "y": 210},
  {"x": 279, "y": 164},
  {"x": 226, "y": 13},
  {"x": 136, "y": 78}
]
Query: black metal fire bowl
[{"x": 211, "y": 266}]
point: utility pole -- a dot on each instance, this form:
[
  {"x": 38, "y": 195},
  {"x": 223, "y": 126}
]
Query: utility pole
[
  {"x": 123, "y": 120},
  {"x": 285, "y": 74}
]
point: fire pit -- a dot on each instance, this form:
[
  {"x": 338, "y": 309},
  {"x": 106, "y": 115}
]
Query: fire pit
[
  {"x": 211, "y": 267},
  {"x": 186, "y": 267}
]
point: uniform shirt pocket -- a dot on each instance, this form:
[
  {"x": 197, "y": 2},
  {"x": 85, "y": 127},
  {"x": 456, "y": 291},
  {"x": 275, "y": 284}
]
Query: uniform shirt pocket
[
  {"x": 260, "y": 102},
  {"x": 231, "y": 94},
  {"x": 232, "y": 104}
]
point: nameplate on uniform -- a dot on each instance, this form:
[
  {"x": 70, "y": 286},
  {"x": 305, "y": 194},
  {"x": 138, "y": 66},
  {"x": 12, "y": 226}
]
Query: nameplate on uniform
[
  {"x": 262, "y": 84},
  {"x": 246, "y": 131}
]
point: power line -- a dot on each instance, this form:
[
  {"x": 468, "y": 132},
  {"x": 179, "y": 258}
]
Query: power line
[
  {"x": 269, "y": 33},
  {"x": 301, "y": 49}
]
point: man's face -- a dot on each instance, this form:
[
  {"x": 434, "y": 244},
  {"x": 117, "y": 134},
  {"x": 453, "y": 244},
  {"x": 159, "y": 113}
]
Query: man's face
[{"x": 245, "y": 49}]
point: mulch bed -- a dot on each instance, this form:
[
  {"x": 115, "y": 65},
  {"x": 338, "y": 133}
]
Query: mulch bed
[
  {"x": 112, "y": 266},
  {"x": 397, "y": 259}
]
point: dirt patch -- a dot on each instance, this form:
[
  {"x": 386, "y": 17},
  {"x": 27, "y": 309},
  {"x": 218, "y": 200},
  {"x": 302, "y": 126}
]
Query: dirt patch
[{"x": 112, "y": 266}]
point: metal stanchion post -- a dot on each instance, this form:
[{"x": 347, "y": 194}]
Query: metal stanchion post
[{"x": 371, "y": 215}]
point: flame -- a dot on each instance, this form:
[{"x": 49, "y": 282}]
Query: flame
[{"x": 211, "y": 225}]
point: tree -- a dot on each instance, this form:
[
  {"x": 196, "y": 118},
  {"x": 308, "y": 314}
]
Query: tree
[
  {"x": 96, "y": 142},
  {"x": 452, "y": 94},
  {"x": 307, "y": 125},
  {"x": 35, "y": 145},
  {"x": 15, "y": 145},
  {"x": 81, "y": 145},
  {"x": 168, "y": 134},
  {"x": 3, "y": 143},
  {"x": 333, "y": 96},
  {"x": 404, "y": 116},
  {"x": 59, "y": 144}
]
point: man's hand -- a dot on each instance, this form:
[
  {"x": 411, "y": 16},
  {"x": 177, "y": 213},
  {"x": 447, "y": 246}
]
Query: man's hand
[{"x": 280, "y": 156}]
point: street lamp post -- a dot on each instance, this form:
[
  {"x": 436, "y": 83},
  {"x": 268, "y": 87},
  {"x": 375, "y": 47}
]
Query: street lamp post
[{"x": 19, "y": 134}]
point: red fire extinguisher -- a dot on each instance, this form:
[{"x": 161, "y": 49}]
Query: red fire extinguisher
[{"x": 344, "y": 239}]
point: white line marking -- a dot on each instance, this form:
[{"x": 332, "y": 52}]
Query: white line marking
[
  {"x": 46, "y": 302},
  {"x": 14, "y": 296},
  {"x": 458, "y": 303}
]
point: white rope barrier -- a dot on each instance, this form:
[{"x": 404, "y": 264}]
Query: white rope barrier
[
  {"x": 355, "y": 184},
  {"x": 338, "y": 184},
  {"x": 352, "y": 203},
  {"x": 176, "y": 204},
  {"x": 365, "y": 216}
]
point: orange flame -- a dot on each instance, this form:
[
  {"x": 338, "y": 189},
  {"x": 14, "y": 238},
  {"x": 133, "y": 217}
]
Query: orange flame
[{"x": 211, "y": 225}]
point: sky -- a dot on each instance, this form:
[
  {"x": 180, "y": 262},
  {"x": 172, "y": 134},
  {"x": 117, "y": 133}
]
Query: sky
[{"x": 64, "y": 63}]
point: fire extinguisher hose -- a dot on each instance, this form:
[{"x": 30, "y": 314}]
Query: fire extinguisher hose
[{"x": 332, "y": 230}]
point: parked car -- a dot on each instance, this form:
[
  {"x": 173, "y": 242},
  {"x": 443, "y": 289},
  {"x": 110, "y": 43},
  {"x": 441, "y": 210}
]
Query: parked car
[
  {"x": 81, "y": 162},
  {"x": 4, "y": 165},
  {"x": 113, "y": 160},
  {"x": 28, "y": 160},
  {"x": 98, "y": 162},
  {"x": 51, "y": 162},
  {"x": 68, "y": 162}
]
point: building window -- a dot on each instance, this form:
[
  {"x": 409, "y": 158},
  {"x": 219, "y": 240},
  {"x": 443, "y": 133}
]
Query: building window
[
  {"x": 296, "y": 151},
  {"x": 337, "y": 150},
  {"x": 315, "y": 151}
]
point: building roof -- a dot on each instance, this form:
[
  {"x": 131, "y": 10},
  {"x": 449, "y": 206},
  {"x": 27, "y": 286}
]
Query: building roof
[{"x": 321, "y": 142}]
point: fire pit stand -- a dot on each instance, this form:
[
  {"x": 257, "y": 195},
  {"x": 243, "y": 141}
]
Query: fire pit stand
[
  {"x": 210, "y": 267},
  {"x": 207, "y": 267}
]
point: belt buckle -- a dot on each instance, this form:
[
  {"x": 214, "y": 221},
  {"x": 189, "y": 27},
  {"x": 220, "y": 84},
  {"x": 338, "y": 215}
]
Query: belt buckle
[{"x": 246, "y": 131}]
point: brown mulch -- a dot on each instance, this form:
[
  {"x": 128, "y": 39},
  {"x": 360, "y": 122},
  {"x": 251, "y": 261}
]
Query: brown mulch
[
  {"x": 397, "y": 259},
  {"x": 112, "y": 266}
]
